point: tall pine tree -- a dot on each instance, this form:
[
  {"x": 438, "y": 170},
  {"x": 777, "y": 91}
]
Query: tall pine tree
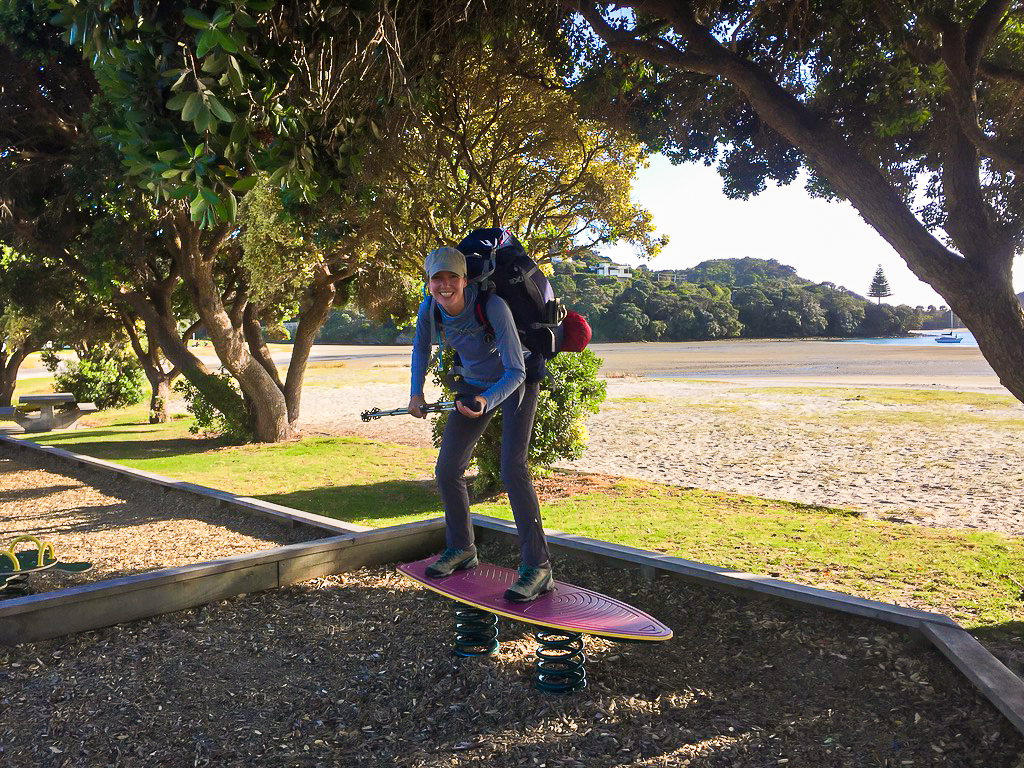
[{"x": 879, "y": 286}]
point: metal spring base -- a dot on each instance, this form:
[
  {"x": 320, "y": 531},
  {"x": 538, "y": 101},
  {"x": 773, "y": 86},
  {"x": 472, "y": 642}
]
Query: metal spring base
[
  {"x": 16, "y": 586},
  {"x": 560, "y": 661},
  {"x": 476, "y": 632}
]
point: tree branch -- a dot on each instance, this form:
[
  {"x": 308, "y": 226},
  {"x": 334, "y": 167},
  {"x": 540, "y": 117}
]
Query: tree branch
[
  {"x": 851, "y": 174},
  {"x": 257, "y": 345},
  {"x": 986, "y": 22},
  {"x": 657, "y": 52},
  {"x": 1001, "y": 73}
]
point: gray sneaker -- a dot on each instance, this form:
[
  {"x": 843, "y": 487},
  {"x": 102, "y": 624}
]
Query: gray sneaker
[
  {"x": 452, "y": 560},
  {"x": 533, "y": 581}
]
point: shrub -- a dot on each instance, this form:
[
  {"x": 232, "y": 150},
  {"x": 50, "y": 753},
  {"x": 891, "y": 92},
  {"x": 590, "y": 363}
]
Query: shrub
[
  {"x": 570, "y": 393},
  {"x": 207, "y": 418},
  {"x": 106, "y": 376}
]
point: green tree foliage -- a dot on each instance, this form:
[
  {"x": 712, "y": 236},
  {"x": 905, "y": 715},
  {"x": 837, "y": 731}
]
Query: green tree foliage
[
  {"x": 106, "y": 375},
  {"x": 559, "y": 432},
  {"x": 938, "y": 317},
  {"x": 206, "y": 95},
  {"x": 350, "y": 326},
  {"x": 23, "y": 329},
  {"x": 500, "y": 144},
  {"x": 66, "y": 204},
  {"x": 910, "y": 111},
  {"x": 202, "y": 100},
  {"x": 745, "y": 271},
  {"x": 879, "y": 286},
  {"x": 207, "y": 418},
  {"x": 42, "y": 303}
]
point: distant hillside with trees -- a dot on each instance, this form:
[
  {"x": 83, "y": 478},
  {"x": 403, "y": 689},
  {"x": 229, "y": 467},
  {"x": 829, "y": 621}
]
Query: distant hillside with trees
[
  {"x": 722, "y": 298},
  {"x": 718, "y": 298}
]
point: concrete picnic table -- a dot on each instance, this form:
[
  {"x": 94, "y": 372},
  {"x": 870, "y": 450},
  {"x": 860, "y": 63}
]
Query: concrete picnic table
[{"x": 48, "y": 417}]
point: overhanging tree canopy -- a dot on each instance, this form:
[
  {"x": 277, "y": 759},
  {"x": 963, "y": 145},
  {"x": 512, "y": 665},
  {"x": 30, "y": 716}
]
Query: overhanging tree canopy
[
  {"x": 205, "y": 98},
  {"x": 886, "y": 103},
  {"x": 498, "y": 145}
]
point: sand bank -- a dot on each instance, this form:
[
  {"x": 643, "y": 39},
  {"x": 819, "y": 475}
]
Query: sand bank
[{"x": 736, "y": 424}]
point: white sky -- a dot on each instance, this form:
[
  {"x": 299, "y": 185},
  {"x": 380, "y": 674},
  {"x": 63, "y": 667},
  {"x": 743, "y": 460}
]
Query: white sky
[{"x": 823, "y": 241}]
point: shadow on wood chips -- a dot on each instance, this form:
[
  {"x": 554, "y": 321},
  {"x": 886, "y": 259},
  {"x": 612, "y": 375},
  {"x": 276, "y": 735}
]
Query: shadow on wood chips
[{"x": 357, "y": 670}]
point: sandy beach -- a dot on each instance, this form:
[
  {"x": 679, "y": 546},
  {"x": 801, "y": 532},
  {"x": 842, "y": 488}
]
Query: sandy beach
[{"x": 805, "y": 421}]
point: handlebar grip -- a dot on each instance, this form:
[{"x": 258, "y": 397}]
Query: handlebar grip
[{"x": 470, "y": 402}]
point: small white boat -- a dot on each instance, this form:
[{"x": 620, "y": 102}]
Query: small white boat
[{"x": 949, "y": 337}]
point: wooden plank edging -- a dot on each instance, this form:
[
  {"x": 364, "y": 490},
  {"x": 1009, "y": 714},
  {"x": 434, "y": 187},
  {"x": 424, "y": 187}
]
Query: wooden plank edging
[
  {"x": 73, "y": 610},
  {"x": 277, "y": 512},
  {"x": 129, "y": 598},
  {"x": 1000, "y": 686},
  {"x": 717, "y": 576}
]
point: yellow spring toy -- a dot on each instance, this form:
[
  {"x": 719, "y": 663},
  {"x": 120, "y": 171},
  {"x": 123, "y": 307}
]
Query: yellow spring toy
[
  {"x": 28, "y": 560},
  {"x": 15, "y": 566}
]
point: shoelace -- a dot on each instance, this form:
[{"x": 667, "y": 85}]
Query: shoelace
[{"x": 526, "y": 574}]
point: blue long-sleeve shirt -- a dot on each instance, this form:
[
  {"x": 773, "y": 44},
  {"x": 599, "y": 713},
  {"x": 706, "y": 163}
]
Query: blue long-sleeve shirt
[{"x": 494, "y": 365}]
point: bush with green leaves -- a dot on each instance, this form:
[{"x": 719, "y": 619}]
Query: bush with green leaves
[
  {"x": 207, "y": 418},
  {"x": 109, "y": 377},
  {"x": 571, "y": 391}
]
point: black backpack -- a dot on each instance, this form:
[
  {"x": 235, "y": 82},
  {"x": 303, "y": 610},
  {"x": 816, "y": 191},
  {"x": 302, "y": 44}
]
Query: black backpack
[{"x": 500, "y": 264}]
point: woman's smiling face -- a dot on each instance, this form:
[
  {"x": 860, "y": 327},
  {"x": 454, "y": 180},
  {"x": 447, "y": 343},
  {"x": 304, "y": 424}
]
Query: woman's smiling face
[{"x": 448, "y": 290}]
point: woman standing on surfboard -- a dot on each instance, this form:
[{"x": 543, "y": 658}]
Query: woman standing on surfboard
[{"x": 493, "y": 376}]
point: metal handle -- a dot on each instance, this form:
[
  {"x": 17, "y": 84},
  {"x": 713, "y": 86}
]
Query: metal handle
[{"x": 376, "y": 413}]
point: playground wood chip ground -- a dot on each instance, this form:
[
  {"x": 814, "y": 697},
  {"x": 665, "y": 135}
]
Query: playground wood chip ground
[
  {"x": 121, "y": 527},
  {"x": 357, "y": 670}
]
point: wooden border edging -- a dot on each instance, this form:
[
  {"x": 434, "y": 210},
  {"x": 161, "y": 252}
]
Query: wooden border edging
[
  {"x": 275, "y": 512},
  {"x": 996, "y": 682},
  {"x": 105, "y": 603},
  {"x": 1000, "y": 686}
]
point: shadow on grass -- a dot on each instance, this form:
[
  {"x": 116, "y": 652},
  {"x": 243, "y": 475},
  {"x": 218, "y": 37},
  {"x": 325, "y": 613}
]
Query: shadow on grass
[
  {"x": 115, "y": 444},
  {"x": 397, "y": 501}
]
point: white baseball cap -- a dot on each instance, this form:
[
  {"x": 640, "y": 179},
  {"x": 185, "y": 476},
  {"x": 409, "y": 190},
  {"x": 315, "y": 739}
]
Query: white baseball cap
[{"x": 446, "y": 259}]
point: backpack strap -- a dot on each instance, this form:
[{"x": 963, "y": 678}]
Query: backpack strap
[
  {"x": 436, "y": 333},
  {"x": 522, "y": 276},
  {"x": 479, "y": 309},
  {"x": 487, "y": 267}
]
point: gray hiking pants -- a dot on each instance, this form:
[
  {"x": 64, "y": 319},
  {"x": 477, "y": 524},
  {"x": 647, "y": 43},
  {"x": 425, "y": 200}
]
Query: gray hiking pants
[{"x": 460, "y": 437}]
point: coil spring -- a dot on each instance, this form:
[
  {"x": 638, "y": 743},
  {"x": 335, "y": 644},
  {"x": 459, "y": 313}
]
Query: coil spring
[
  {"x": 476, "y": 632},
  {"x": 16, "y": 586},
  {"x": 560, "y": 661}
]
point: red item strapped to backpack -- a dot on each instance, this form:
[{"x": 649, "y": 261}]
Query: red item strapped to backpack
[{"x": 575, "y": 332}]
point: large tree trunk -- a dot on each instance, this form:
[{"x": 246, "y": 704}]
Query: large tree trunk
[
  {"x": 160, "y": 397},
  {"x": 267, "y": 413},
  {"x": 988, "y": 306},
  {"x": 162, "y": 323},
  {"x": 10, "y": 364},
  {"x": 314, "y": 315},
  {"x": 149, "y": 358}
]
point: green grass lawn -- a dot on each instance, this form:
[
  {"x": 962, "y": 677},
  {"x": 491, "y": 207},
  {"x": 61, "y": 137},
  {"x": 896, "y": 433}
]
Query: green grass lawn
[
  {"x": 347, "y": 478},
  {"x": 963, "y": 575},
  {"x": 968, "y": 576}
]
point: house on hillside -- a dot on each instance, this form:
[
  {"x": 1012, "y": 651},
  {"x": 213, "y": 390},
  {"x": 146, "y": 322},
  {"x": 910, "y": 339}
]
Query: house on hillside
[{"x": 608, "y": 268}]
